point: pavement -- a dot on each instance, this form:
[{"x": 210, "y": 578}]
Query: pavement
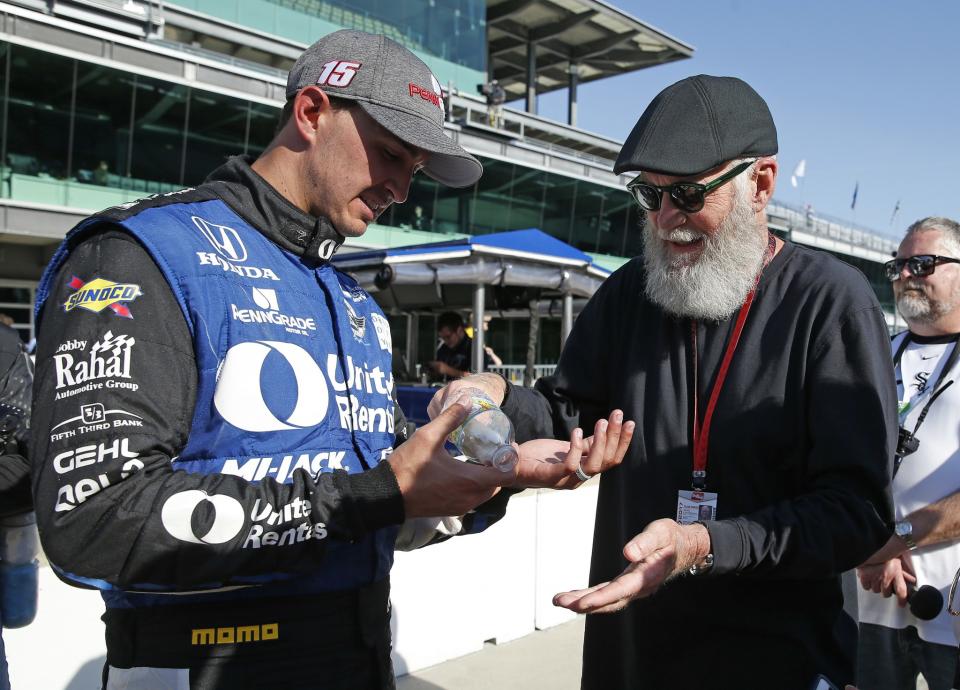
[{"x": 543, "y": 659}]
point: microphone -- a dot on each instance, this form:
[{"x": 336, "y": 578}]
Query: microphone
[{"x": 926, "y": 602}]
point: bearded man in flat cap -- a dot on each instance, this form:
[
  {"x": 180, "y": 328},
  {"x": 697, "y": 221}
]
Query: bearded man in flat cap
[{"x": 758, "y": 374}]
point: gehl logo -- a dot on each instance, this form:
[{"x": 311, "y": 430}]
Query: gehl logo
[{"x": 237, "y": 635}]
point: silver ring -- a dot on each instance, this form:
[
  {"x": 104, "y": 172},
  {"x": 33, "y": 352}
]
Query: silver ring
[{"x": 581, "y": 475}]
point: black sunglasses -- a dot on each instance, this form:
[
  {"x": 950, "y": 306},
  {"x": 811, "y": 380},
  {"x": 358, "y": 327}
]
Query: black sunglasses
[
  {"x": 920, "y": 265},
  {"x": 689, "y": 197}
]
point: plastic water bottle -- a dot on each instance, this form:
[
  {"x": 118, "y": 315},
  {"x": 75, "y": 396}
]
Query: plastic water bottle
[
  {"x": 19, "y": 546},
  {"x": 486, "y": 434}
]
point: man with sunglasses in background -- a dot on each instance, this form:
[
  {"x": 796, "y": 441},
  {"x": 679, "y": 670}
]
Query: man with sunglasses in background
[
  {"x": 757, "y": 373},
  {"x": 896, "y": 645}
]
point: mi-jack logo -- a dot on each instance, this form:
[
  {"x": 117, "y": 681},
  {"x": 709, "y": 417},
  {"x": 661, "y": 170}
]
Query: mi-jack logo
[{"x": 241, "y": 633}]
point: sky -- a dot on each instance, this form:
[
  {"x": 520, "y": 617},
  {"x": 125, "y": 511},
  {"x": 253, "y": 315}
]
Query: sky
[{"x": 868, "y": 93}]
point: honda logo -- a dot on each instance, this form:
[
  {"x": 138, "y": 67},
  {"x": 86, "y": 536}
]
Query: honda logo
[{"x": 223, "y": 238}]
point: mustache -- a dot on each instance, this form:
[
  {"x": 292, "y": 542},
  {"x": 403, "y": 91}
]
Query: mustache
[{"x": 680, "y": 234}]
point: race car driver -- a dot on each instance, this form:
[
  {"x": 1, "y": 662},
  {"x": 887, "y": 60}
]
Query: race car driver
[{"x": 214, "y": 416}]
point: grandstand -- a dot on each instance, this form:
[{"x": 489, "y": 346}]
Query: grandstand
[{"x": 154, "y": 94}]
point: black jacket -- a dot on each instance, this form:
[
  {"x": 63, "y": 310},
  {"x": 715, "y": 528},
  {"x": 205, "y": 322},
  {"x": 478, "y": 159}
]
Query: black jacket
[
  {"x": 800, "y": 454},
  {"x": 16, "y": 382}
]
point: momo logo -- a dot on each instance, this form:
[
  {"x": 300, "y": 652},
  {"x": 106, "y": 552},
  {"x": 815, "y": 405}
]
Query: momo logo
[
  {"x": 219, "y": 518},
  {"x": 240, "y": 398},
  {"x": 224, "y": 239},
  {"x": 237, "y": 635},
  {"x": 99, "y": 294}
]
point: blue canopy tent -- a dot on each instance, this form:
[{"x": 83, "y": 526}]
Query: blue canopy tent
[{"x": 511, "y": 270}]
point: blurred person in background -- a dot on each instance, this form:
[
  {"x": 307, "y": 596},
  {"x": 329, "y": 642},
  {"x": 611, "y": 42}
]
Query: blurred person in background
[{"x": 18, "y": 584}]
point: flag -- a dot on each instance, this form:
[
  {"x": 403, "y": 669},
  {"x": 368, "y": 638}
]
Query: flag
[
  {"x": 896, "y": 210},
  {"x": 856, "y": 188},
  {"x": 798, "y": 172}
]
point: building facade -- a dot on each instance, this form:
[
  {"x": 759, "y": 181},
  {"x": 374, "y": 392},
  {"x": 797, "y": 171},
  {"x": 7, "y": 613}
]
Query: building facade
[{"x": 106, "y": 101}]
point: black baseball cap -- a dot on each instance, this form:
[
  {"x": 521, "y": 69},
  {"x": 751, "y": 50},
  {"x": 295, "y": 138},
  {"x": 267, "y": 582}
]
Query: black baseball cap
[
  {"x": 395, "y": 88},
  {"x": 698, "y": 124}
]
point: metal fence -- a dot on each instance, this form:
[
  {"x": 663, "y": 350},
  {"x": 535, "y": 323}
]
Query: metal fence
[{"x": 514, "y": 372}]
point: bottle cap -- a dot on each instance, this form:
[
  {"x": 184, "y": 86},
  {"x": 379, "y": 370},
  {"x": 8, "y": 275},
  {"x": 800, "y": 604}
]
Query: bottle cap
[{"x": 504, "y": 458}]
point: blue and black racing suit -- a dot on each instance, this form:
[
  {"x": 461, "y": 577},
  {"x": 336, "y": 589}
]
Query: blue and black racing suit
[{"x": 213, "y": 408}]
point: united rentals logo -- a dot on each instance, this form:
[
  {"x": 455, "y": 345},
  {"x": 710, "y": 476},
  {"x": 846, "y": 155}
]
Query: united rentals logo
[{"x": 99, "y": 294}]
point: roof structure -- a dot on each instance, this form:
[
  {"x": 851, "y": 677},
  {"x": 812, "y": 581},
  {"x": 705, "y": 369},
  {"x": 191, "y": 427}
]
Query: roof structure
[
  {"x": 599, "y": 39},
  {"x": 445, "y": 273}
]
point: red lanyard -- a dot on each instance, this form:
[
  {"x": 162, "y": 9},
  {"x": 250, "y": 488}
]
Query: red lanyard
[{"x": 701, "y": 434}]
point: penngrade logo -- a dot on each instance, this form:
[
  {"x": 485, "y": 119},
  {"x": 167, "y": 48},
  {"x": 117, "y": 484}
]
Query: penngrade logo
[{"x": 99, "y": 294}]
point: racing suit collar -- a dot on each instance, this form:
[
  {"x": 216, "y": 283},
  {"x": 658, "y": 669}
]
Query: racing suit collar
[{"x": 311, "y": 237}]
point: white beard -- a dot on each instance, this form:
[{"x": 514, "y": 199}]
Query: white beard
[{"x": 716, "y": 284}]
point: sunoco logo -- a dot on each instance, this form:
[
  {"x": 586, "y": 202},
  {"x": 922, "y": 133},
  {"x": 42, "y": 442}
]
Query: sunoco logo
[{"x": 99, "y": 294}]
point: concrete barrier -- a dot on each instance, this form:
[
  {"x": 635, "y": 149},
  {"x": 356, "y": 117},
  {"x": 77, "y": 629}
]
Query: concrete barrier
[{"x": 448, "y": 599}]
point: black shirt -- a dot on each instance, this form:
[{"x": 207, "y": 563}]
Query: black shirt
[
  {"x": 460, "y": 357},
  {"x": 800, "y": 455}
]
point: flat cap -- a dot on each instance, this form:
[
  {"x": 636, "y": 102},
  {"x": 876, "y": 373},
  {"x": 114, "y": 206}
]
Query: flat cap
[{"x": 696, "y": 125}]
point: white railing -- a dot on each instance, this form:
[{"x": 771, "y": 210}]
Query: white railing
[{"x": 514, "y": 372}]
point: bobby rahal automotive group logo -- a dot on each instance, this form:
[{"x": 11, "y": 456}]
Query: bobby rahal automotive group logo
[{"x": 99, "y": 294}]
